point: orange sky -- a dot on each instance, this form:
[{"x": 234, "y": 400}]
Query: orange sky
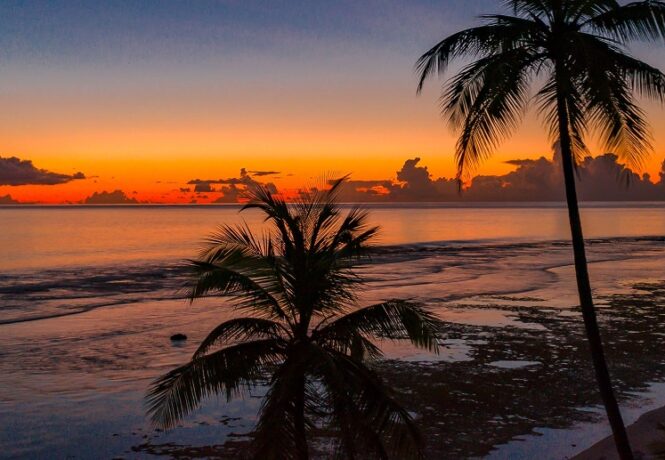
[
  {"x": 155, "y": 156},
  {"x": 143, "y": 103}
]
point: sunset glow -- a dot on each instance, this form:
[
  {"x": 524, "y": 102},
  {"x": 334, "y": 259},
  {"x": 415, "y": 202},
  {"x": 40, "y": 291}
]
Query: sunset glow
[
  {"x": 147, "y": 105},
  {"x": 312, "y": 229}
]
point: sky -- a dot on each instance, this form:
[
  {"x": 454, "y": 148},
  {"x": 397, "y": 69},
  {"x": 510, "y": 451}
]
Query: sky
[{"x": 144, "y": 100}]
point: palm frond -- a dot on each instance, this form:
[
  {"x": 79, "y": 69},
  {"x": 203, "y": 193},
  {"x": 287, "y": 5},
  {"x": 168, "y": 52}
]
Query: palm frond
[
  {"x": 641, "y": 20},
  {"x": 241, "y": 239},
  {"x": 487, "y": 97},
  {"x": 352, "y": 343},
  {"x": 530, "y": 8},
  {"x": 608, "y": 98},
  {"x": 322, "y": 221},
  {"x": 276, "y": 433},
  {"x": 643, "y": 79},
  {"x": 369, "y": 417},
  {"x": 619, "y": 121},
  {"x": 481, "y": 41},
  {"x": 581, "y": 11},
  {"x": 240, "y": 330},
  {"x": 277, "y": 211},
  {"x": 491, "y": 107},
  {"x": 394, "y": 319},
  {"x": 577, "y": 124},
  {"x": 352, "y": 238},
  {"x": 248, "y": 292},
  {"x": 226, "y": 371}
]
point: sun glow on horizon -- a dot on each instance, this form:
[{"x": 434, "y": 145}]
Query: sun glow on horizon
[{"x": 147, "y": 106}]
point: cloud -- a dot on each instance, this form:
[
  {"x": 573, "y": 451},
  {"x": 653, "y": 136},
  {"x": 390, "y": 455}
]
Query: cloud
[
  {"x": 602, "y": 178},
  {"x": 367, "y": 190},
  {"x": 14, "y": 171},
  {"x": 532, "y": 180},
  {"x": 114, "y": 197},
  {"x": 230, "y": 194},
  {"x": 418, "y": 184},
  {"x": 202, "y": 187},
  {"x": 7, "y": 199},
  {"x": 233, "y": 189},
  {"x": 263, "y": 173},
  {"x": 414, "y": 183}
]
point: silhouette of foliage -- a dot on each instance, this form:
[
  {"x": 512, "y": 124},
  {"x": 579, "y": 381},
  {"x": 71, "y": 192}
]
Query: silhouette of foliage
[
  {"x": 577, "y": 50},
  {"x": 304, "y": 333}
]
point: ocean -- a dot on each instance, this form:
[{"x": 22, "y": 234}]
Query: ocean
[{"x": 89, "y": 296}]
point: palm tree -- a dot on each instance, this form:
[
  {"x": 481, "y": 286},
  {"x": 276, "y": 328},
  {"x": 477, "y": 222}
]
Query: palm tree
[
  {"x": 576, "y": 52},
  {"x": 303, "y": 335}
]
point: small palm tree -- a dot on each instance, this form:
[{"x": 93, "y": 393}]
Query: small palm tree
[
  {"x": 577, "y": 51},
  {"x": 304, "y": 334}
]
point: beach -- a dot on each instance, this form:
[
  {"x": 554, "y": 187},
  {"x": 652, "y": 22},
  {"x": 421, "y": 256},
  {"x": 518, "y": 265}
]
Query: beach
[
  {"x": 80, "y": 342},
  {"x": 303, "y": 230},
  {"x": 647, "y": 437}
]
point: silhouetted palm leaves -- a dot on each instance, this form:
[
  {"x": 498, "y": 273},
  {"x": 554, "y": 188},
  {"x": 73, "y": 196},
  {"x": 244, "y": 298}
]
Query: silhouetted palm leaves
[
  {"x": 303, "y": 333},
  {"x": 575, "y": 53}
]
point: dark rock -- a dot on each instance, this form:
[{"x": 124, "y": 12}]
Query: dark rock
[{"x": 178, "y": 337}]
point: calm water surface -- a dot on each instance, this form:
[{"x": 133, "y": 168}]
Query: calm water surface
[
  {"x": 43, "y": 237},
  {"x": 88, "y": 302}
]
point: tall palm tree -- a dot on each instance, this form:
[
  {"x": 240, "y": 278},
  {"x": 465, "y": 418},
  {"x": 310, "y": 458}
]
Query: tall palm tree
[
  {"x": 304, "y": 333},
  {"x": 575, "y": 51}
]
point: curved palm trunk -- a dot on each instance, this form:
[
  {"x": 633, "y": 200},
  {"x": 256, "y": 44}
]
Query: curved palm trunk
[{"x": 584, "y": 286}]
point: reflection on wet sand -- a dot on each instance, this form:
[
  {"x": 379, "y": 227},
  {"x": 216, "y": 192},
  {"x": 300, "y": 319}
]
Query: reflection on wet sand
[
  {"x": 511, "y": 380},
  {"x": 465, "y": 408},
  {"x": 508, "y": 305}
]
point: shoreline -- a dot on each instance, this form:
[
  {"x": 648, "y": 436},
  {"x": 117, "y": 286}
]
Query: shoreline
[
  {"x": 111, "y": 354},
  {"x": 647, "y": 437}
]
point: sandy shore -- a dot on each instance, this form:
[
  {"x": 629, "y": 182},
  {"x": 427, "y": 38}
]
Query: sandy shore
[
  {"x": 647, "y": 436},
  {"x": 512, "y": 328}
]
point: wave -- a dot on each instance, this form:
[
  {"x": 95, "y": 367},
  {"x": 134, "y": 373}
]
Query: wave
[{"x": 395, "y": 269}]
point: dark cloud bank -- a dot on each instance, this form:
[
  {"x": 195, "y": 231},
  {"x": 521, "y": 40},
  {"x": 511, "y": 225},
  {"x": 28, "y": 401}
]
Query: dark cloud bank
[
  {"x": 114, "y": 197},
  {"x": 7, "y": 199},
  {"x": 599, "y": 179},
  {"x": 232, "y": 189},
  {"x": 602, "y": 178},
  {"x": 14, "y": 171}
]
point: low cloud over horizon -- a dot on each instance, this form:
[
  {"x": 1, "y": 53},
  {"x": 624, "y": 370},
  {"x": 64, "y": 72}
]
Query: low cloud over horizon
[
  {"x": 15, "y": 172},
  {"x": 602, "y": 178},
  {"x": 233, "y": 188},
  {"x": 262, "y": 173},
  {"x": 114, "y": 197},
  {"x": 7, "y": 199}
]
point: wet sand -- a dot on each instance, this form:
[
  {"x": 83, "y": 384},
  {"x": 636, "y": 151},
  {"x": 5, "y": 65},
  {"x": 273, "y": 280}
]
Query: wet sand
[
  {"x": 514, "y": 375},
  {"x": 647, "y": 437}
]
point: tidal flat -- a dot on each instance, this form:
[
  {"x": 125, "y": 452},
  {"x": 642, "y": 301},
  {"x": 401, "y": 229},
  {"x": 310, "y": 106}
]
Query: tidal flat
[
  {"x": 491, "y": 385},
  {"x": 80, "y": 346}
]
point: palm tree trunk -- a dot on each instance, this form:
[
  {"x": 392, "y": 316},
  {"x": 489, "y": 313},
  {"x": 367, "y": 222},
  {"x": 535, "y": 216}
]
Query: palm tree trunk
[
  {"x": 299, "y": 416},
  {"x": 584, "y": 286}
]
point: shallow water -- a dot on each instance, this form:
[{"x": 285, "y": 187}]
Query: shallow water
[
  {"x": 89, "y": 298},
  {"x": 37, "y": 238}
]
